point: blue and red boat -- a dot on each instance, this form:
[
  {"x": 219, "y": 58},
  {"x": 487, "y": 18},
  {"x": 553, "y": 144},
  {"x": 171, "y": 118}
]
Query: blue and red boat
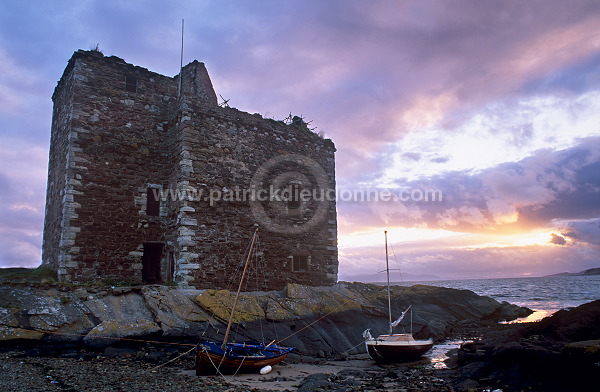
[{"x": 232, "y": 358}]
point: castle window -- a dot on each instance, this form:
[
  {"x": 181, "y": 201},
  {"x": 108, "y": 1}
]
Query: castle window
[
  {"x": 153, "y": 202},
  {"x": 300, "y": 263},
  {"x": 130, "y": 83},
  {"x": 293, "y": 202}
]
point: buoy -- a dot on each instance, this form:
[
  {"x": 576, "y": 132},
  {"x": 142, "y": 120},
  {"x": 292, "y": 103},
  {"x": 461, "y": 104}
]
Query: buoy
[{"x": 266, "y": 369}]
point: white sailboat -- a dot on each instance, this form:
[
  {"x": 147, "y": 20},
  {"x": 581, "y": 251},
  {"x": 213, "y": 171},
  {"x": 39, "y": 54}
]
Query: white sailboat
[{"x": 394, "y": 347}]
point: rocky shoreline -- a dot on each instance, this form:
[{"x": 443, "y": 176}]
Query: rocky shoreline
[
  {"x": 65, "y": 338},
  {"x": 321, "y": 322},
  {"x": 558, "y": 353}
]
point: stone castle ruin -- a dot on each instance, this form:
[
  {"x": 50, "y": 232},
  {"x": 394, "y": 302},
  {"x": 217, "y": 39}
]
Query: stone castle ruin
[{"x": 151, "y": 181}]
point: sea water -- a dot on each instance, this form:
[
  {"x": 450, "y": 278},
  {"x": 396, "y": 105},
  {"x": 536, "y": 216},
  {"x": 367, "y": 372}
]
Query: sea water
[{"x": 544, "y": 294}]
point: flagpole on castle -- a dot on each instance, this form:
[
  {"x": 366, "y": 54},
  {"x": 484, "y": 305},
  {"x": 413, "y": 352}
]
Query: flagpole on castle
[{"x": 181, "y": 62}]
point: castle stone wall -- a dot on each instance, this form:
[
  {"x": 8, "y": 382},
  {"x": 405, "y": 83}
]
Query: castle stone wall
[{"x": 119, "y": 130}]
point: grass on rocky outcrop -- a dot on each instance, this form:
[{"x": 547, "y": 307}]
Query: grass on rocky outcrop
[
  {"x": 44, "y": 276},
  {"x": 40, "y": 274}
]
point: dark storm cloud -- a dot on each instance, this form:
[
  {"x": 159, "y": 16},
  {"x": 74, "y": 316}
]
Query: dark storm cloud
[
  {"x": 585, "y": 231},
  {"x": 557, "y": 239}
]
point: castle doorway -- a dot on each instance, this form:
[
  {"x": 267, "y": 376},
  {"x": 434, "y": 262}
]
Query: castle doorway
[{"x": 151, "y": 262}]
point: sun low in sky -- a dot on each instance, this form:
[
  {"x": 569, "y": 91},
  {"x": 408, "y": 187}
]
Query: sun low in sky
[{"x": 493, "y": 105}]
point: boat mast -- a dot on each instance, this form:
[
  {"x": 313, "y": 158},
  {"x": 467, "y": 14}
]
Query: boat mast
[
  {"x": 237, "y": 295},
  {"x": 387, "y": 270}
]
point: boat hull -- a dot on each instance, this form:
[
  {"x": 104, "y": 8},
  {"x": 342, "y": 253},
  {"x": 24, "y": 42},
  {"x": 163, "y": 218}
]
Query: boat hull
[
  {"x": 211, "y": 359},
  {"x": 397, "y": 348}
]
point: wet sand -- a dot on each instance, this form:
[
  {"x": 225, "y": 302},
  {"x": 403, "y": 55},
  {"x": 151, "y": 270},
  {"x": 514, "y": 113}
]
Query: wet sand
[
  {"x": 357, "y": 373},
  {"x": 287, "y": 377}
]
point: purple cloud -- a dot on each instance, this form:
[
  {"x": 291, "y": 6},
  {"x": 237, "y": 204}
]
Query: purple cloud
[{"x": 551, "y": 185}]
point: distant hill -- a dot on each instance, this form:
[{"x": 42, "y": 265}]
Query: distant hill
[
  {"x": 591, "y": 271},
  {"x": 394, "y": 277}
]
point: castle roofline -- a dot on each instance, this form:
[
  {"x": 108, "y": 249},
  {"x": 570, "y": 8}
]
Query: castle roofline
[
  {"x": 196, "y": 69},
  {"x": 196, "y": 87}
]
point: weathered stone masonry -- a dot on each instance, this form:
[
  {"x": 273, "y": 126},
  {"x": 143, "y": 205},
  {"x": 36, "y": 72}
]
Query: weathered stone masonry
[{"x": 120, "y": 133}]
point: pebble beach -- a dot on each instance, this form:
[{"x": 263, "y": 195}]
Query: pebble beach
[{"x": 21, "y": 372}]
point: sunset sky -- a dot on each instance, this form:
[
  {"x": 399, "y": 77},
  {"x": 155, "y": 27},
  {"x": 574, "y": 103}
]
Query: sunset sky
[{"x": 494, "y": 103}]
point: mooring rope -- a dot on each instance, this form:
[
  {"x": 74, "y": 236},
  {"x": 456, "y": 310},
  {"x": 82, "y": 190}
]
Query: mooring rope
[
  {"x": 172, "y": 360},
  {"x": 314, "y": 322},
  {"x": 239, "y": 367},
  {"x": 211, "y": 361},
  {"x": 352, "y": 348},
  {"x": 103, "y": 337}
]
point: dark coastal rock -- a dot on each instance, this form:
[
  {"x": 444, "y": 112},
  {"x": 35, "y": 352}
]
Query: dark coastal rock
[
  {"x": 175, "y": 310},
  {"x": 324, "y": 322},
  {"x": 112, "y": 332},
  {"x": 467, "y": 385},
  {"x": 558, "y": 353},
  {"x": 401, "y": 378},
  {"x": 315, "y": 382},
  {"x": 27, "y": 312},
  {"x": 507, "y": 312}
]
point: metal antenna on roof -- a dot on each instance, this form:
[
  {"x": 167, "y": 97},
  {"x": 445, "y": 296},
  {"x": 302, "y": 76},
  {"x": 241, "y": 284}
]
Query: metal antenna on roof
[{"x": 180, "y": 62}]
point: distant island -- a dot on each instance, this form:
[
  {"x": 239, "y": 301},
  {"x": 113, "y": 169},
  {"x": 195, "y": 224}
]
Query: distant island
[
  {"x": 591, "y": 271},
  {"x": 394, "y": 277}
]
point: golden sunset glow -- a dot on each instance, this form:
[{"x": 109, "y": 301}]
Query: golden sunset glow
[
  {"x": 375, "y": 237},
  {"x": 515, "y": 240}
]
